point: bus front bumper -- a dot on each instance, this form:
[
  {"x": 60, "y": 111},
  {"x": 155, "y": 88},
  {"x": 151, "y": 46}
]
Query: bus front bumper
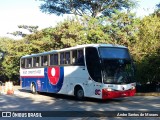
[{"x": 117, "y": 94}]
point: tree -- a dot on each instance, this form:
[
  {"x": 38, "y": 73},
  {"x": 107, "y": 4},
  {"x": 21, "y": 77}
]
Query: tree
[
  {"x": 122, "y": 28},
  {"x": 14, "y": 50},
  {"x": 157, "y": 10},
  {"x": 148, "y": 49},
  {"x": 92, "y": 8},
  {"x": 29, "y": 28}
]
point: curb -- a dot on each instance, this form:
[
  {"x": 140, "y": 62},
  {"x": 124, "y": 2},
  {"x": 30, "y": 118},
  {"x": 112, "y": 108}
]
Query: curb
[{"x": 148, "y": 94}]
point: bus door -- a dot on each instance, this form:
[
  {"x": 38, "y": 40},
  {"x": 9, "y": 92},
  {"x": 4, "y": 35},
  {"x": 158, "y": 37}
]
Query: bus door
[{"x": 94, "y": 70}]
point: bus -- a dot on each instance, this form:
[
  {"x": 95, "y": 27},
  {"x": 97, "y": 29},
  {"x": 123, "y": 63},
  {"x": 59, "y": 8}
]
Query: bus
[{"x": 102, "y": 71}]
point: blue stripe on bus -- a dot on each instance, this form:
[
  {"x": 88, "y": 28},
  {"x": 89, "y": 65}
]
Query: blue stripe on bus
[{"x": 44, "y": 85}]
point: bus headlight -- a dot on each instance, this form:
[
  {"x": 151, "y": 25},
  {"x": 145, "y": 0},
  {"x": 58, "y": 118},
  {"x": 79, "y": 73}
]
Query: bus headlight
[
  {"x": 108, "y": 89},
  {"x": 133, "y": 87}
]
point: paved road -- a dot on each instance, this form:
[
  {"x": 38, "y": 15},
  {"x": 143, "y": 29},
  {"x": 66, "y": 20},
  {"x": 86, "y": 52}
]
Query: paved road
[{"x": 25, "y": 101}]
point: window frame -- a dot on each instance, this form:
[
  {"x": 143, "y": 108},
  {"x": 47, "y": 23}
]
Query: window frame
[
  {"x": 27, "y": 62},
  {"x": 42, "y": 57},
  {"x": 55, "y": 60},
  {"x": 75, "y": 62},
  {"x": 35, "y": 61},
  {"x": 24, "y": 60}
]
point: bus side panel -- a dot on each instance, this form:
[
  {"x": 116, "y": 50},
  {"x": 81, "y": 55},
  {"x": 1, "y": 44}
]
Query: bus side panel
[
  {"x": 78, "y": 75},
  {"x": 73, "y": 75},
  {"x": 29, "y": 76},
  {"x": 94, "y": 89},
  {"x": 22, "y": 82},
  {"x": 54, "y": 78}
]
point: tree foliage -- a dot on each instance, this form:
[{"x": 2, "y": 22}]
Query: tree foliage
[
  {"x": 92, "y": 8},
  {"x": 29, "y": 28},
  {"x": 148, "y": 49},
  {"x": 157, "y": 10}
]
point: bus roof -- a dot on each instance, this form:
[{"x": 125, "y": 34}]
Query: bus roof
[{"x": 75, "y": 47}]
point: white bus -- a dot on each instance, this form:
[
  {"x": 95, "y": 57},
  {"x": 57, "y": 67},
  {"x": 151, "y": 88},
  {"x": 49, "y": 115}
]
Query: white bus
[{"x": 102, "y": 71}]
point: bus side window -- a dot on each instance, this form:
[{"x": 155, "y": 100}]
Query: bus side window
[
  {"x": 62, "y": 58},
  {"x": 22, "y": 63},
  {"x": 35, "y": 61},
  {"x": 29, "y": 62},
  {"x": 55, "y": 61},
  {"x": 44, "y": 60},
  {"x": 74, "y": 56},
  {"x": 52, "y": 59},
  {"x": 67, "y": 56},
  {"x": 93, "y": 64},
  {"x": 80, "y": 60}
]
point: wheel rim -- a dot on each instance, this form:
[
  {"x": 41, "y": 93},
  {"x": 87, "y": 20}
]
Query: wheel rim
[
  {"x": 80, "y": 93},
  {"x": 33, "y": 89}
]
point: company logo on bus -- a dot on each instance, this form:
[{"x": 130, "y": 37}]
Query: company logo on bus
[
  {"x": 97, "y": 92},
  {"x": 54, "y": 75}
]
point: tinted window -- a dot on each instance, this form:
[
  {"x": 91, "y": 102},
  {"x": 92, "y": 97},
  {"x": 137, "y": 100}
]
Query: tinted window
[
  {"x": 67, "y": 58},
  {"x": 62, "y": 58},
  {"x": 114, "y": 53},
  {"x": 74, "y": 56},
  {"x": 80, "y": 59},
  {"x": 35, "y": 61},
  {"x": 52, "y": 59},
  {"x": 93, "y": 64},
  {"x": 55, "y": 62},
  {"x": 44, "y": 60},
  {"x": 29, "y": 62},
  {"x": 77, "y": 57},
  {"x": 23, "y": 63}
]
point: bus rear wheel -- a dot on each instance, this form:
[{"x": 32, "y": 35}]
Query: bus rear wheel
[
  {"x": 33, "y": 89},
  {"x": 79, "y": 93}
]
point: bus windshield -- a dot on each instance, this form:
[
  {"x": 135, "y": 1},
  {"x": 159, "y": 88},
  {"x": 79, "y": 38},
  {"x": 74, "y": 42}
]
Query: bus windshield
[{"x": 117, "y": 66}]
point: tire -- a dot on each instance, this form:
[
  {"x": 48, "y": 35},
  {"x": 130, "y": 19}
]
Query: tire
[
  {"x": 79, "y": 93},
  {"x": 33, "y": 89}
]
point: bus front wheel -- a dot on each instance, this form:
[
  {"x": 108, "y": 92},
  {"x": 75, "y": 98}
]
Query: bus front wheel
[{"x": 79, "y": 93}]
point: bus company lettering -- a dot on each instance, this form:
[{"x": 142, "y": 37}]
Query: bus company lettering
[
  {"x": 24, "y": 72},
  {"x": 33, "y": 72}
]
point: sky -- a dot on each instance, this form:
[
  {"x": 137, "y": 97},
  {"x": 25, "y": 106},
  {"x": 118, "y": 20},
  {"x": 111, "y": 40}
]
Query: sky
[{"x": 27, "y": 12}]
